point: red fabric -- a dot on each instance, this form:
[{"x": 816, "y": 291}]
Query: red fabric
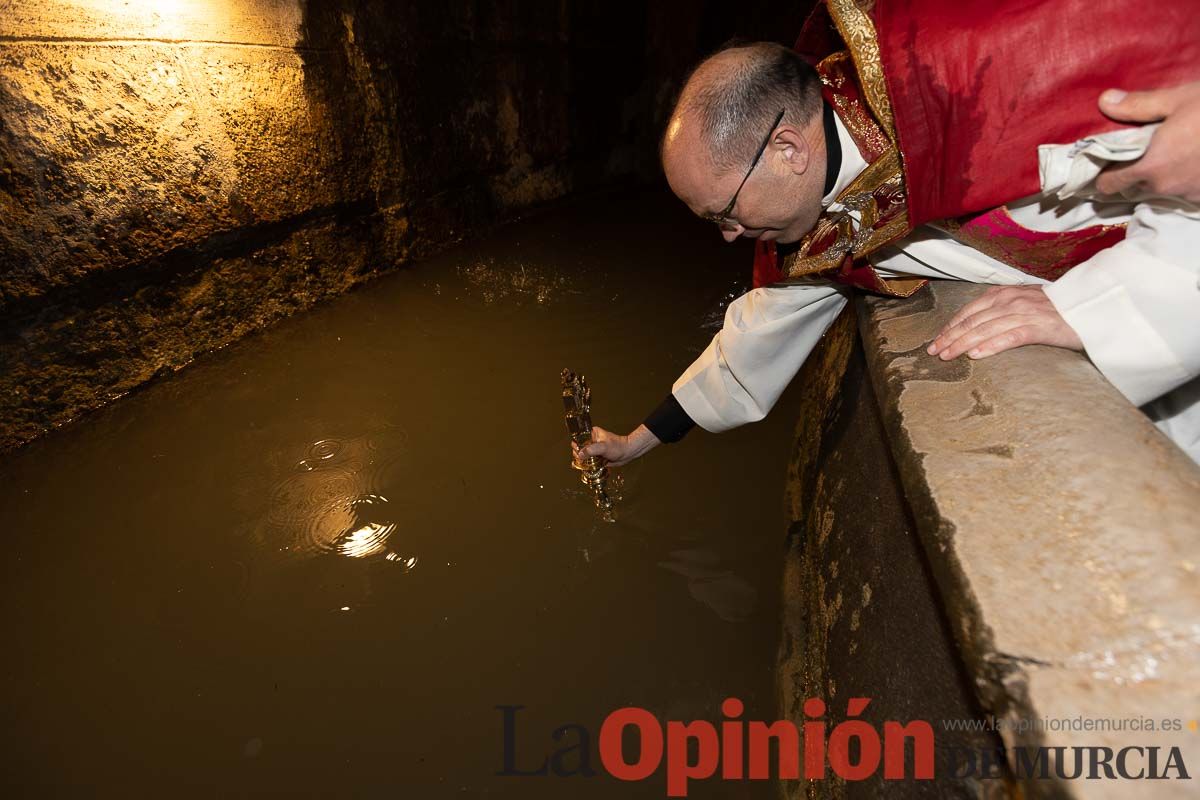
[
  {"x": 841, "y": 90},
  {"x": 977, "y": 86},
  {"x": 1047, "y": 255},
  {"x": 766, "y": 264},
  {"x": 818, "y": 37}
]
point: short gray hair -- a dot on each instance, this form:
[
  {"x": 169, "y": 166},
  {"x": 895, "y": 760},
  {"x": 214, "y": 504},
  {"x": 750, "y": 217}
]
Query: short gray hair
[{"x": 735, "y": 109}]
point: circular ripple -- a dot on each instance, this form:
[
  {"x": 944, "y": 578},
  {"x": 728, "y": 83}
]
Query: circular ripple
[
  {"x": 355, "y": 528},
  {"x": 302, "y": 496},
  {"x": 404, "y": 562},
  {"x": 319, "y": 453},
  {"x": 333, "y": 502}
]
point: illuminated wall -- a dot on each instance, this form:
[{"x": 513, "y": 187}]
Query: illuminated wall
[{"x": 176, "y": 173}]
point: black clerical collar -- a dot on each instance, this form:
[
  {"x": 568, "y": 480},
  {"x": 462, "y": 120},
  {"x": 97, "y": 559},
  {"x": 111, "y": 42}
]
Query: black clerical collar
[{"x": 833, "y": 150}]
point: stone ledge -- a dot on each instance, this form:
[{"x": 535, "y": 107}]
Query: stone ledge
[{"x": 1061, "y": 529}]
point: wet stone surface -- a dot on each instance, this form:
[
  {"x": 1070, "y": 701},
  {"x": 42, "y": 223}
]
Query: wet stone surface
[{"x": 1061, "y": 529}]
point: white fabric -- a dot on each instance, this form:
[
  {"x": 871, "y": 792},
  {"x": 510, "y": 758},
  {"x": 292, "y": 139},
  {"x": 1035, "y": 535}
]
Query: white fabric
[
  {"x": 1069, "y": 169},
  {"x": 1136, "y": 306}
]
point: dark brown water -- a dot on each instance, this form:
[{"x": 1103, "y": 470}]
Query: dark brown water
[{"x": 316, "y": 562}]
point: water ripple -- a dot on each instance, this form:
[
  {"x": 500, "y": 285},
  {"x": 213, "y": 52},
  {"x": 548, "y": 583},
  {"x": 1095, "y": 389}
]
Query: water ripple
[
  {"x": 332, "y": 502},
  {"x": 356, "y": 528},
  {"x": 319, "y": 452}
]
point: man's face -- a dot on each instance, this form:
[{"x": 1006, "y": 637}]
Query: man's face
[{"x": 780, "y": 200}]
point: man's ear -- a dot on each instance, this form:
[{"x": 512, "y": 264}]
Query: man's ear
[{"x": 795, "y": 149}]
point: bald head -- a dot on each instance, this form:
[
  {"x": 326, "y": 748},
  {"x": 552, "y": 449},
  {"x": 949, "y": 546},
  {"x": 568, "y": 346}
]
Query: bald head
[{"x": 724, "y": 113}]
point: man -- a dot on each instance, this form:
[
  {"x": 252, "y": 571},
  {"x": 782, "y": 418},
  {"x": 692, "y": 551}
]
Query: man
[{"x": 761, "y": 146}]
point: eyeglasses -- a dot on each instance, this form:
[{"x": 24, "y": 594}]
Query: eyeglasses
[{"x": 722, "y": 217}]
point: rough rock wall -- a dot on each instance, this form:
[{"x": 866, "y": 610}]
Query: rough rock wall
[{"x": 176, "y": 173}]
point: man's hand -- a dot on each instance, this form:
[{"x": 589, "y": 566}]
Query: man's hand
[
  {"x": 1171, "y": 165},
  {"x": 618, "y": 450},
  {"x": 1000, "y": 319}
]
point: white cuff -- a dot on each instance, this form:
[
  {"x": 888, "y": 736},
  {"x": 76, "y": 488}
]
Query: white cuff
[
  {"x": 1120, "y": 338},
  {"x": 689, "y": 394}
]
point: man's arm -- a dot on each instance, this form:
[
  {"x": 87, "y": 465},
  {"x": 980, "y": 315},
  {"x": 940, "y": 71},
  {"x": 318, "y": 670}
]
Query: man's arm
[
  {"x": 1136, "y": 305},
  {"x": 766, "y": 336},
  {"x": 1134, "y": 308},
  {"x": 616, "y": 449},
  {"x": 1000, "y": 319}
]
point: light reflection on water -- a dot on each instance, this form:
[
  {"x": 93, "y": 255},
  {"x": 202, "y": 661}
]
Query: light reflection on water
[
  {"x": 320, "y": 451},
  {"x": 331, "y": 502},
  {"x": 515, "y": 284},
  {"x": 315, "y": 562}
]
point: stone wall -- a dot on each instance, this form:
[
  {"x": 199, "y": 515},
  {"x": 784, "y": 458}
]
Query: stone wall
[
  {"x": 1004, "y": 539},
  {"x": 862, "y": 616},
  {"x": 176, "y": 173}
]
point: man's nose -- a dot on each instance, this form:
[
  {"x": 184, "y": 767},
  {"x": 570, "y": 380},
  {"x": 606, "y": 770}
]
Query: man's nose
[{"x": 730, "y": 232}]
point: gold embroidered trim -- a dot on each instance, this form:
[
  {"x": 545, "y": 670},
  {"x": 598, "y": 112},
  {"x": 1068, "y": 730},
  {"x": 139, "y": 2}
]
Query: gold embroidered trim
[
  {"x": 835, "y": 71},
  {"x": 873, "y": 209},
  {"x": 883, "y": 177},
  {"x": 858, "y": 32},
  {"x": 902, "y": 287}
]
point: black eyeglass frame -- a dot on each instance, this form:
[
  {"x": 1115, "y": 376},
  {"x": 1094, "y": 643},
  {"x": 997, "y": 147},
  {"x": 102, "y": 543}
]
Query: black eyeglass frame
[{"x": 722, "y": 216}]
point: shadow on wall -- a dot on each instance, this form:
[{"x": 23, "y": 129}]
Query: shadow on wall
[
  {"x": 493, "y": 107},
  {"x": 496, "y": 106}
]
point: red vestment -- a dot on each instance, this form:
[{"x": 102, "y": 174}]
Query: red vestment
[{"x": 965, "y": 91}]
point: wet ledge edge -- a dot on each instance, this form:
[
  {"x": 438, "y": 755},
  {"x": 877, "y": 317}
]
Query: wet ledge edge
[{"x": 1060, "y": 528}]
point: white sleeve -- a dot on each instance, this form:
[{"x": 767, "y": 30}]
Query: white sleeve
[
  {"x": 768, "y": 332},
  {"x": 1136, "y": 305}
]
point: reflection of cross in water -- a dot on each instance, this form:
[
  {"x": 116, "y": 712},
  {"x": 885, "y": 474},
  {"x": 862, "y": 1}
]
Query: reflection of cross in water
[{"x": 728, "y": 594}]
